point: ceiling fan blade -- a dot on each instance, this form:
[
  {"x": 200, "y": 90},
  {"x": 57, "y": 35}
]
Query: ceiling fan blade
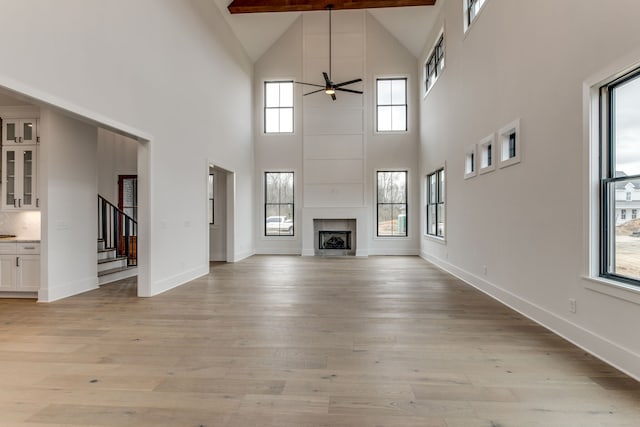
[
  {"x": 326, "y": 79},
  {"x": 333, "y": 96},
  {"x": 348, "y": 83},
  {"x": 309, "y": 84},
  {"x": 349, "y": 90},
  {"x": 315, "y": 91}
]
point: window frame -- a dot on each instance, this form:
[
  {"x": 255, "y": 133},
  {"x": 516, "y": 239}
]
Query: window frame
[
  {"x": 466, "y": 8},
  {"x": 439, "y": 62},
  {"x": 212, "y": 196},
  {"x": 607, "y": 180},
  {"x": 267, "y": 204},
  {"x": 406, "y": 204},
  {"x": 279, "y": 107},
  {"x": 406, "y": 105},
  {"x": 440, "y": 200}
]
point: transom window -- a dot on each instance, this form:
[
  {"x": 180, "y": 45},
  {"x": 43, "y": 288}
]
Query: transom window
[
  {"x": 620, "y": 179},
  {"x": 278, "y": 107},
  {"x": 391, "y": 105},
  {"x": 278, "y": 204},
  {"x": 392, "y": 204},
  {"x": 435, "y": 64},
  {"x": 435, "y": 203},
  {"x": 472, "y": 8}
]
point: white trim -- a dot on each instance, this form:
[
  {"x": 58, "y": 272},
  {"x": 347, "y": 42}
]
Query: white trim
[
  {"x": 503, "y": 144},
  {"x": 179, "y": 279},
  {"x": 442, "y": 34},
  {"x": 264, "y": 106},
  {"x": 485, "y": 142},
  {"x": 471, "y": 162},
  {"x": 466, "y": 26},
  {"x": 375, "y": 203},
  {"x": 611, "y": 353},
  {"x": 614, "y": 289},
  {"x": 55, "y": 293},
  {"x": 375, "y": 103}
]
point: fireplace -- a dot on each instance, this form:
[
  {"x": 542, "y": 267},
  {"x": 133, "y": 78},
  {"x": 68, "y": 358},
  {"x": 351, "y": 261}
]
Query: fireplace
[
  {"x": 331, "y": 239},
  {"x": 334, "y": 237}
]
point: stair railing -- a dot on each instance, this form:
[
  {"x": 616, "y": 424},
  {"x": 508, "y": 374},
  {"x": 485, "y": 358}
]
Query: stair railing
[{"x": 118, "y": 231}]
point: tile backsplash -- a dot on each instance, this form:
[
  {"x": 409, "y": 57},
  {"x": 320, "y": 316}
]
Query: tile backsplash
[{"x": 25, "y": 225}]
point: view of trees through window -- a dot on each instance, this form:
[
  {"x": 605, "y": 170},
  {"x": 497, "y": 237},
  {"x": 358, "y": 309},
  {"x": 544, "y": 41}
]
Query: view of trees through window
[
  {"x": 392, "y": 203},
  {"x": 621, "y": 246},
  {"x": 278, "y": 206}
]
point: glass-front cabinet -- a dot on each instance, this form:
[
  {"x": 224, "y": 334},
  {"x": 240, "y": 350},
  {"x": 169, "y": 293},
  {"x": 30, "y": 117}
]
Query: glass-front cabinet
[
  {"x": 19, "y": 178},
  {"x": 19, "y": 131}
]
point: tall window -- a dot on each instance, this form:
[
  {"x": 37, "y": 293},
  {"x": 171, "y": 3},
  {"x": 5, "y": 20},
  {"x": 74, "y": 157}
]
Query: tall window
[
  {"x": 278, "y": 203},
  {"x": 392, "y": 203},
  {"x": 435, "y": 203},
  {"x": 278, "y": 107},
  {"x": 391, "y": 105},
  {"x": 210, "y": 188},
  {"x": 620, "y": 172},
  {"x": 435, "y": 64},
  {"x": 472, "y": 8}
]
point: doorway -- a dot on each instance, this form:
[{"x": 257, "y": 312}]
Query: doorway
[{"x": 220, "y": 206}]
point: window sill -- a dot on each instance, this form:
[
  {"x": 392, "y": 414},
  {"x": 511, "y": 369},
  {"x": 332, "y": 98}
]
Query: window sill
[
  {"x": 441, "y": 240},
  {"x": 613, "y": 289}
]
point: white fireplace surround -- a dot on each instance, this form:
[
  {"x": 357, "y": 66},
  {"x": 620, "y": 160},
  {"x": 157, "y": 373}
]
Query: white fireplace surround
[{"x": 310, "y": 232}]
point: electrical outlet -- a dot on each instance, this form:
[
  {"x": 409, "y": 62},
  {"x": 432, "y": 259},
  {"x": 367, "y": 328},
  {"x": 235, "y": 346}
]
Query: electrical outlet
[{"x": 572, "y": 305}]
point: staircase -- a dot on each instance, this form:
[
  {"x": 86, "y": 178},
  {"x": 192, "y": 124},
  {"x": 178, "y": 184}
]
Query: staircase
[
  {"x": 112, "y": 267},
  {"x": 117, "y": 243}
]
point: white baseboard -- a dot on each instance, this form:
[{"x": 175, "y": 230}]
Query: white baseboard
[
  {"x": 615, "y": 355},
  {"x": 239, "y": 256},
  {"x": 393, "y": 252},
  {"x": 172, "y": 282},
  {"x": 55, "y": 293},
  {"x": 277, "y": 251}
]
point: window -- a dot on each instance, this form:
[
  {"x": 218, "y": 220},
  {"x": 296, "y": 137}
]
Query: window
[
  {"x": 278, "y": 204},
  {"x": 619, "y": 174},
  {"x": 210, "y": 188},
  {"x": 472, "y": 9},
  {"x": 391, "y": 105},
  {"x": 435, "y": 203},
  {"x": 435, "y": 64},
  {"x": 278, "y": 107},
  {"x": 392, "y": 203}
]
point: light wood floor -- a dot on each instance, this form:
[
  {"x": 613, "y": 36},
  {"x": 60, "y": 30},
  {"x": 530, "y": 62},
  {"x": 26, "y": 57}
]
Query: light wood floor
[{"x": 299, "y": 342}]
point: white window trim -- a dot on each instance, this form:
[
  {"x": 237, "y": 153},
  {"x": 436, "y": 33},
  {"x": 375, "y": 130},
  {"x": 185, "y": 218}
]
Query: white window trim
[
  {"x": 442, "y": 34},
  {"x": 375, "y": 104},
  {"x": 484, "y": 142},
  {"x": 425, "y": 205},
  {"x": 591, "y": 143},
  {"x": 467, "y": 25},
  {"x": 503, "y": 140},
  {"x": 263, "y": 102},
  {"x": 261, "y": 215},
  {"x": 375, "y": 203},
  {"x": 470, "y": 162}
]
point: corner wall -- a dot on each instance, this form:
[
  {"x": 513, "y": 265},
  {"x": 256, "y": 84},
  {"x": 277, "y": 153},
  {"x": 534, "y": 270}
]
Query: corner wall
[
  {"x": 521, "y": 233},
  {"x": 172, "y": 69}
]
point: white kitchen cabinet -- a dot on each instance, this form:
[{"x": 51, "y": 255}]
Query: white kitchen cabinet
[
  {"x": 20, "y": 267},
  {"x": 19, "y": 170},
  {"x": 20, "y": 132}
]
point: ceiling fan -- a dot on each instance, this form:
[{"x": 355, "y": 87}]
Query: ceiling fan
[{"x": 329, "y": 86}]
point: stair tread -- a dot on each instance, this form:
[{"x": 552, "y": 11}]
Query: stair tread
[
  {"x": 106, "y": 260},
  {"x": 115, "y": 270},
  {"x": 106, "y": 250}
]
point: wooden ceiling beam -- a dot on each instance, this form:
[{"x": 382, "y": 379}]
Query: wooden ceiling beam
[{"x": 263, "y": 6}]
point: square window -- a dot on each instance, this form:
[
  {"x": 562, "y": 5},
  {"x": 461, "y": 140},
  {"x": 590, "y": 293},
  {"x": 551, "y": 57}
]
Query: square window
[{"x": 487, "y": 154}]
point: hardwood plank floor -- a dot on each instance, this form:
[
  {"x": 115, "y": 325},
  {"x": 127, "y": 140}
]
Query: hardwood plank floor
[{"x": 299, "y": 342}]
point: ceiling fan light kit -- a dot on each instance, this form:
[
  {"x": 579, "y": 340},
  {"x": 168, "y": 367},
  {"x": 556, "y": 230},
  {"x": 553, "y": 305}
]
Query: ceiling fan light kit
[{"x": 329, "y": 86}]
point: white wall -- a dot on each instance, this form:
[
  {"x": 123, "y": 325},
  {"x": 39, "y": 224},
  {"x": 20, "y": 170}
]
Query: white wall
[
  {"x": 334, "y": 150},
  {"x": 117, "y": 155},
  {"x": 175, "y": 71},
  {"x": 68, "y": 186},
  {"x": 528, "y": 223}
]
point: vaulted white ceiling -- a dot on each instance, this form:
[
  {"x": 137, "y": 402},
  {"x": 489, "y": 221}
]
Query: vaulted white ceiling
[{"x": 258, "y": 31}]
